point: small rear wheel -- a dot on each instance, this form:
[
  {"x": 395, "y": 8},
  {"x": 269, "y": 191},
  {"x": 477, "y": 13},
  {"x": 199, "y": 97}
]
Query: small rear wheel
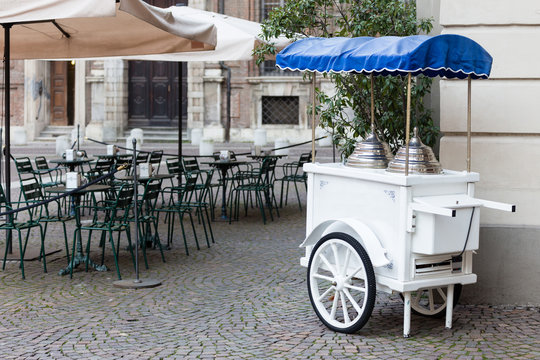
[
  {"x": 431, "y": 302},
  {"x": 341, "y": 283}
]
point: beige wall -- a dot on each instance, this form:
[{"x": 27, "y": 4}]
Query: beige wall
[{"x": 505, "y": 145}]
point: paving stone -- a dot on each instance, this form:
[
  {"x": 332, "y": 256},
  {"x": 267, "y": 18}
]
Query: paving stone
[{"x": 244, "y": 297}]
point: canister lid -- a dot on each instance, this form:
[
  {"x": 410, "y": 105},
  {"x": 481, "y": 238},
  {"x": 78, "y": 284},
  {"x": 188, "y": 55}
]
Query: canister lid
[
  {"x": 370, "y": 153},
  {"x": 422, "y": 160}
]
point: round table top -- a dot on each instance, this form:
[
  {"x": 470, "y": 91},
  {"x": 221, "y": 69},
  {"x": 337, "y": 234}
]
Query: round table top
[
  {"x": 73, "y": 162},
  {"x": 91, "y": 188},
  {"x": 144, "y": 179}
]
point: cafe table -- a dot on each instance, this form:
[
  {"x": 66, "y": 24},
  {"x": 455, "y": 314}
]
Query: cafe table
[
  {"x": 71, "y": 164},
  {"x": 79, "y": 257},
  {"x": 223, "y": 166}
]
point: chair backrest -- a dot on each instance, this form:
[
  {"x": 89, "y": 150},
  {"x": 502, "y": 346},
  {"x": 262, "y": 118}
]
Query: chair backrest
[
  {"x": 190, "y": 165},
  {"x": 41, "y": 163},
  {"x": 189, "y": 187},
  {"x": 23, "y": 165},
  {"x": 151, "y": 191},
  {"x": 103, "y": 165},
  {"x": 31, "y": 190},
  {"x": 155, "y": 159},
  {"x": 173, "y": 166},
  {"x": 124, "y": 197},
  {"x": 142, "y": 157}
]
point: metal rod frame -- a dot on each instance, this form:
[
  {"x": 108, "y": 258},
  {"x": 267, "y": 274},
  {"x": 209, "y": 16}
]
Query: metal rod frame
[
  {"x": 313, "y": 80},
  {"x": 408, "y": 124},
  {"x": 469, "y": 124}
]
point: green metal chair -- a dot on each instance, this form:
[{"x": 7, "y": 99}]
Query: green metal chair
[
  {"x": 109, "y": 217},
  {"x": 32, "y": 193},
  {"x": 179, "y": 198},
  {"x": 293, "y": 172},
  {"x": 11, "y": 223},
  {"x": 261, "y": 185},
  {"x": 47, "y": 176},
  {"x": 148, "y": 222}
]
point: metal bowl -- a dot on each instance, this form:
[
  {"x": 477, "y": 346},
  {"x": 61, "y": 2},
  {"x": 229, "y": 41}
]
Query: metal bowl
[
  {"x": 422, "y": 160},
  {"x": 370, "y": 153}
]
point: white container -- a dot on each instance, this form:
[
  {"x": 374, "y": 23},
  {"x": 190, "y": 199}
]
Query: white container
[
  {"x": 259, "y": 137},
  {"x": 111, "y": 150},
  {"x": 70, "y": 154},
  {"x": 281, "y": 143},
  {"x": 62, "y": 143},
  {"x": 137, "y": 134},
  {"x": 196, "y": 136},
  {"x": 224, "y": 155},
  {"x": 145, "y": 170},
  {"x": 206, "y": 147},
  {"x": 73, "y": 180}
]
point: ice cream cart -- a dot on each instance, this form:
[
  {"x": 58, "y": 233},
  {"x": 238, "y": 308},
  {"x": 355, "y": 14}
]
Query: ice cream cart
[{"x": 402, "y": 226}]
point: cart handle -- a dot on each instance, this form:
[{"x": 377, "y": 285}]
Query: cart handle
[
  {"x": 433, "y": 209},
  {"x": 498, "y": 205}
]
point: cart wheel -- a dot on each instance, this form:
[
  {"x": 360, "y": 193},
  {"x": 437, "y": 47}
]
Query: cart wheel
[
  {"x": 431, "y": 302},
  {"x": 341, "y": 283}
]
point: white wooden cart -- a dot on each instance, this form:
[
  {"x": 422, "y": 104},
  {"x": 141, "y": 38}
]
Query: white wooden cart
[{"x": 370, "y": 229}]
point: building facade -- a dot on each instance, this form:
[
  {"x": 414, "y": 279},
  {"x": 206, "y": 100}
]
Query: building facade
[
  {"x": 506, "y": 139},
  {"x": 108, "y": 97}
]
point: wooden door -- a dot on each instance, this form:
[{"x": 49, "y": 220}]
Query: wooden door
[
  {"x": 59, "y": 93},
  {"x": 62, "y": 93},
  {"x": 153, "y": 89}
]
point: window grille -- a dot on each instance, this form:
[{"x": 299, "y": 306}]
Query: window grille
[
  {"x": 268, "y": 5},
  {"x": 280, "y": 110}
]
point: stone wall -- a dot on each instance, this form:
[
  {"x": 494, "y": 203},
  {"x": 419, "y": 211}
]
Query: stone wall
[{"x": 505, "y": 145}]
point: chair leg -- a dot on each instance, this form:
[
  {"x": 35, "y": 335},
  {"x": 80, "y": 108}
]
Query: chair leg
[
  {"x": 183, "y": 232},
  {"x": 41, "y": 233},
  {"x": 21, "y": 251},
  {"x": 66, "y": 241},
  {"x": 157, "y": 239},
  {"x": 115, "y": 254},
  {"x": 298, "y": 195},
  {"x": 194, "y": 231},
  {"x": 130, "y": 247}
]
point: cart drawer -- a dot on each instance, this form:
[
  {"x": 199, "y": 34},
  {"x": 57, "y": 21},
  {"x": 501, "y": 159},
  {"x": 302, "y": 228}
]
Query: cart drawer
[{"x": 437, "y": 234}]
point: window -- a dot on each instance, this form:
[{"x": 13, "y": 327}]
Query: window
[
  {"x": 280, "y": 110},
  {"x": 268, "y": 5}
]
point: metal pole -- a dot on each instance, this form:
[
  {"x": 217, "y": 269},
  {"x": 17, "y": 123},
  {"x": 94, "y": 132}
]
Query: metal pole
[
  {"x": 372, "y": 103},
  {"x": 78, "y": 136},
  {"x": 408, "y": 124},
  {"x": 180, "y": 124},
  {"x": 7, "y": 115},
  {"x": 469, "y": 124},
  {"x": 135, "y": 210},
  {"x": 313, "y": 79}
]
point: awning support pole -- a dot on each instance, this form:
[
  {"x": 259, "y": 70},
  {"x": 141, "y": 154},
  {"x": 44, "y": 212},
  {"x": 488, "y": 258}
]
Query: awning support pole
[
  {"x": 313, "y": 79},
  {"x": 408, "y": 124},
  {"x": 372, "y": 103},
  {"x": 469, "y": 124}
]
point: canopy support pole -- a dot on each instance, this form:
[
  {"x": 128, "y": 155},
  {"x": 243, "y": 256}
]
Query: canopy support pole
[
  {"x": 408, "y": 124},
  {"x": 469, "y": 124},
  {"x": 313, "y": 79},
  {"x": 7, "y": 115},
  {"x": 372, "y": 104}
]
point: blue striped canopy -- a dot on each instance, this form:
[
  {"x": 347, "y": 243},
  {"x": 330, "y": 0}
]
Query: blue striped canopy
[{"x": 451, "y": 56}]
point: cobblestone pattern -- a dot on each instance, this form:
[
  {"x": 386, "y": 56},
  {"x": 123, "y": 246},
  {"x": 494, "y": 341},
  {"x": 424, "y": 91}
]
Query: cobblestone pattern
[{"x": 243, "y": 298}]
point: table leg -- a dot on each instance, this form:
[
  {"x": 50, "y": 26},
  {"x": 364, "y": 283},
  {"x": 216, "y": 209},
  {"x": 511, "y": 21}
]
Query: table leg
[
  {"x": 224, "y": 196},
  {"x": 79, "y": 257}
]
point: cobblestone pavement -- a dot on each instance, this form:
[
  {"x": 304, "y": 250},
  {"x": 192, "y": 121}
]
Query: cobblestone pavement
[{"x": 244, "y": 297}]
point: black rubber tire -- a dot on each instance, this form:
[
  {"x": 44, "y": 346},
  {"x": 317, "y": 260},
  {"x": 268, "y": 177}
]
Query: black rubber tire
[
  {"x": 442, "y": 310},
  {"x": 370, "y": 279}
]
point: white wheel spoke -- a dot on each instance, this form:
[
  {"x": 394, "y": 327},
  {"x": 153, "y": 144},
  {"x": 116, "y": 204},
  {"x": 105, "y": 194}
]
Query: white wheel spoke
[
  {"x": 336, "y": 257},
  {"x": 323, "y": 277},
  {"x": 349, "y": 277},
  {"x": 334, "y": 306},
  {"x": 327, "y": 263},
  {"x": 443, "y": 295},
  {"x": 431, "y": 301},
  {"x": 353, "y": 302},
  {"x": 344, "y": 306},
  {"x": 352, "y": 287},
  {"x": 347, "y": 259},
  {"x": 326, "y": 292}
]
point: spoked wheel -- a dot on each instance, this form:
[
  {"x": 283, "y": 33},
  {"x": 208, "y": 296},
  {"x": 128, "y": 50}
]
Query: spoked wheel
[
  {"x": 431, "y": 302},
  {"x": 341, "y": 283}
]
